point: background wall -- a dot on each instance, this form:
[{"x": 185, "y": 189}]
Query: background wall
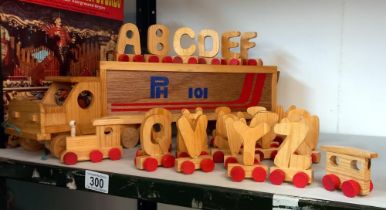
[{"x": 330, "y": 52}]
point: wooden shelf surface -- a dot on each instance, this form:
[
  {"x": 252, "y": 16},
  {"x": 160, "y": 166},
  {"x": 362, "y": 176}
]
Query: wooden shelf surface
[{"x": 200, "y": 190}]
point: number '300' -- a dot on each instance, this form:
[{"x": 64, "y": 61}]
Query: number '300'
[{"x": 96, "y": 182}]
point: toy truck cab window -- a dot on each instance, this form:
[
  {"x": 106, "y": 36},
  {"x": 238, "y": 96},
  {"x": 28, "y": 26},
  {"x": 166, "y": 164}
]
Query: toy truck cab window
[
  {"x": 61, "y": 94},
  {"x": 85, "y": 99}
]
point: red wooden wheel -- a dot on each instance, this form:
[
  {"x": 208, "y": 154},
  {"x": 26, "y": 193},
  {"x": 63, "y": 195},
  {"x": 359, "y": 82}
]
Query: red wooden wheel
[
  {"x": 256, "y": 161},
  {"x": 115, "y": 154},
  {"x": 314, "y": 158},
  {"x": 260, "y": 153},
  {"x": 187, "y": 167},
  {"x": 207, "y": 165},
  {"x": 177, "y": 59},
  {"x": 211, "y": 142},
  {"x": 138, "y": 153},
  {"x": 351, "y": 188},
  {"x": 183, "y": 154},
  {"x": 237, "y": 174},
  {"x": 259, "y": 174},
  {"x": 167, "y": 59},
  {"x": 331, "y": 182},
  {"x": 218, "y": 157},
  {"x": 224, "y": 61},
  {"x": 277, "y": 177},
  {"x": 150, "y": 164},
  {"x": 153, "y": 59},
  {"x": 300, "y": 180},
  {"x": 273, "y": 155},
  {"x": 251, "y": 62},
  {"x": 192, "y": 60},
  {"x": 234, "y": 61},
  {"x": 70, "y": 158},
  {"x": 167, "y": 161},
  {"x": 204, "y": 153},
  {"x": 371, "y": 186},
  {"x": 201, "y": 61},
  {"x": 230, "y": 160},
  {"x": 123, "y": 58},
  {"x": 96, "y": 156},
  {"x": 138, "y": 58},
  {"x": 215, "y": 61}
]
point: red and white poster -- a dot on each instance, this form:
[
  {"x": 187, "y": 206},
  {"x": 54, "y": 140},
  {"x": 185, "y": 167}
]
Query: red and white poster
[
  {"x": 41, "y": 38},
  {"x": 112, "y": 9}
]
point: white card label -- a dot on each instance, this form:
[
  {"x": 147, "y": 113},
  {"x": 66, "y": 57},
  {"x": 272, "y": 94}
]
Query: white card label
[{"x": 97, "y": 181}]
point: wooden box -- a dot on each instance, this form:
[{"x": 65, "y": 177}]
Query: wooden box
[{"x": 135, "y": 87}]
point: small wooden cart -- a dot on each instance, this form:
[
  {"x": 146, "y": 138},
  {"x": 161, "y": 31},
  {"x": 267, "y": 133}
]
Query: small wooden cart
[
  {"x": 348, "y": 169},
  {"x": 104, "y": 144}
]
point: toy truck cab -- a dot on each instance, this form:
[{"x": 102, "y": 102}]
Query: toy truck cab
[{"x": 68, "y": 98}]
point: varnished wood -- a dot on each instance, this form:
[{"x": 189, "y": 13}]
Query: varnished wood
[
  {"x": 271, "y": 119},
  {"x": 134, "y": 40},
  {"x": 175, "y": 67},
  {"x": 156, "y": 40},
  {"x": 177, "y": 41},
  {"x": 312, "y": 122},
  {"x": 129, "y": 136},
  {"x": 286, "y": 157},
  {"x": 253, "y": 110},
  {"x": 234, "y": 139},
  {"x": 351, "y": 151},
  {"x": 280, "y": 112},
  {"x": 58, "y": 145},
  {"x": 204, "y": 34},
  {"x": 220, "y": 139},
  {"x": 71, "y": 79},
  {"x": 106, "y": 138},
  {"x": 30, "y": 144},
  {"x": 249, "y": 136},
  {"x": 349, "y": 163},
  {"x": 161, "y": 145},
  {"x": 245, "y": 44},
  {"x": 193, "y": 134},
  {"x": 227, "y": 44}
]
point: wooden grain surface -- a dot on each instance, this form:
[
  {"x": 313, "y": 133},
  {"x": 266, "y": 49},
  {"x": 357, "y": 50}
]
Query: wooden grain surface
[{"x": 127, "y": 86}]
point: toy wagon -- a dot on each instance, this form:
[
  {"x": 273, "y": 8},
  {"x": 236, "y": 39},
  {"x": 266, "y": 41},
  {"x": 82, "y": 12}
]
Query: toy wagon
[{"x": 349, "y": 170}]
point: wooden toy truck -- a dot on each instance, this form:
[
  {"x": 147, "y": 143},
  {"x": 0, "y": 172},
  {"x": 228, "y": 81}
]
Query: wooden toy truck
[
  {"x": 132, "y": 88},
  {"x": 68, "y": 98},
  {"x": 348, "y": 169}
]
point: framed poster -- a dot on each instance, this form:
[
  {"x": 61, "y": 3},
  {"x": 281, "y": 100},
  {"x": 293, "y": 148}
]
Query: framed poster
[{"x": 42, "y": 38}]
